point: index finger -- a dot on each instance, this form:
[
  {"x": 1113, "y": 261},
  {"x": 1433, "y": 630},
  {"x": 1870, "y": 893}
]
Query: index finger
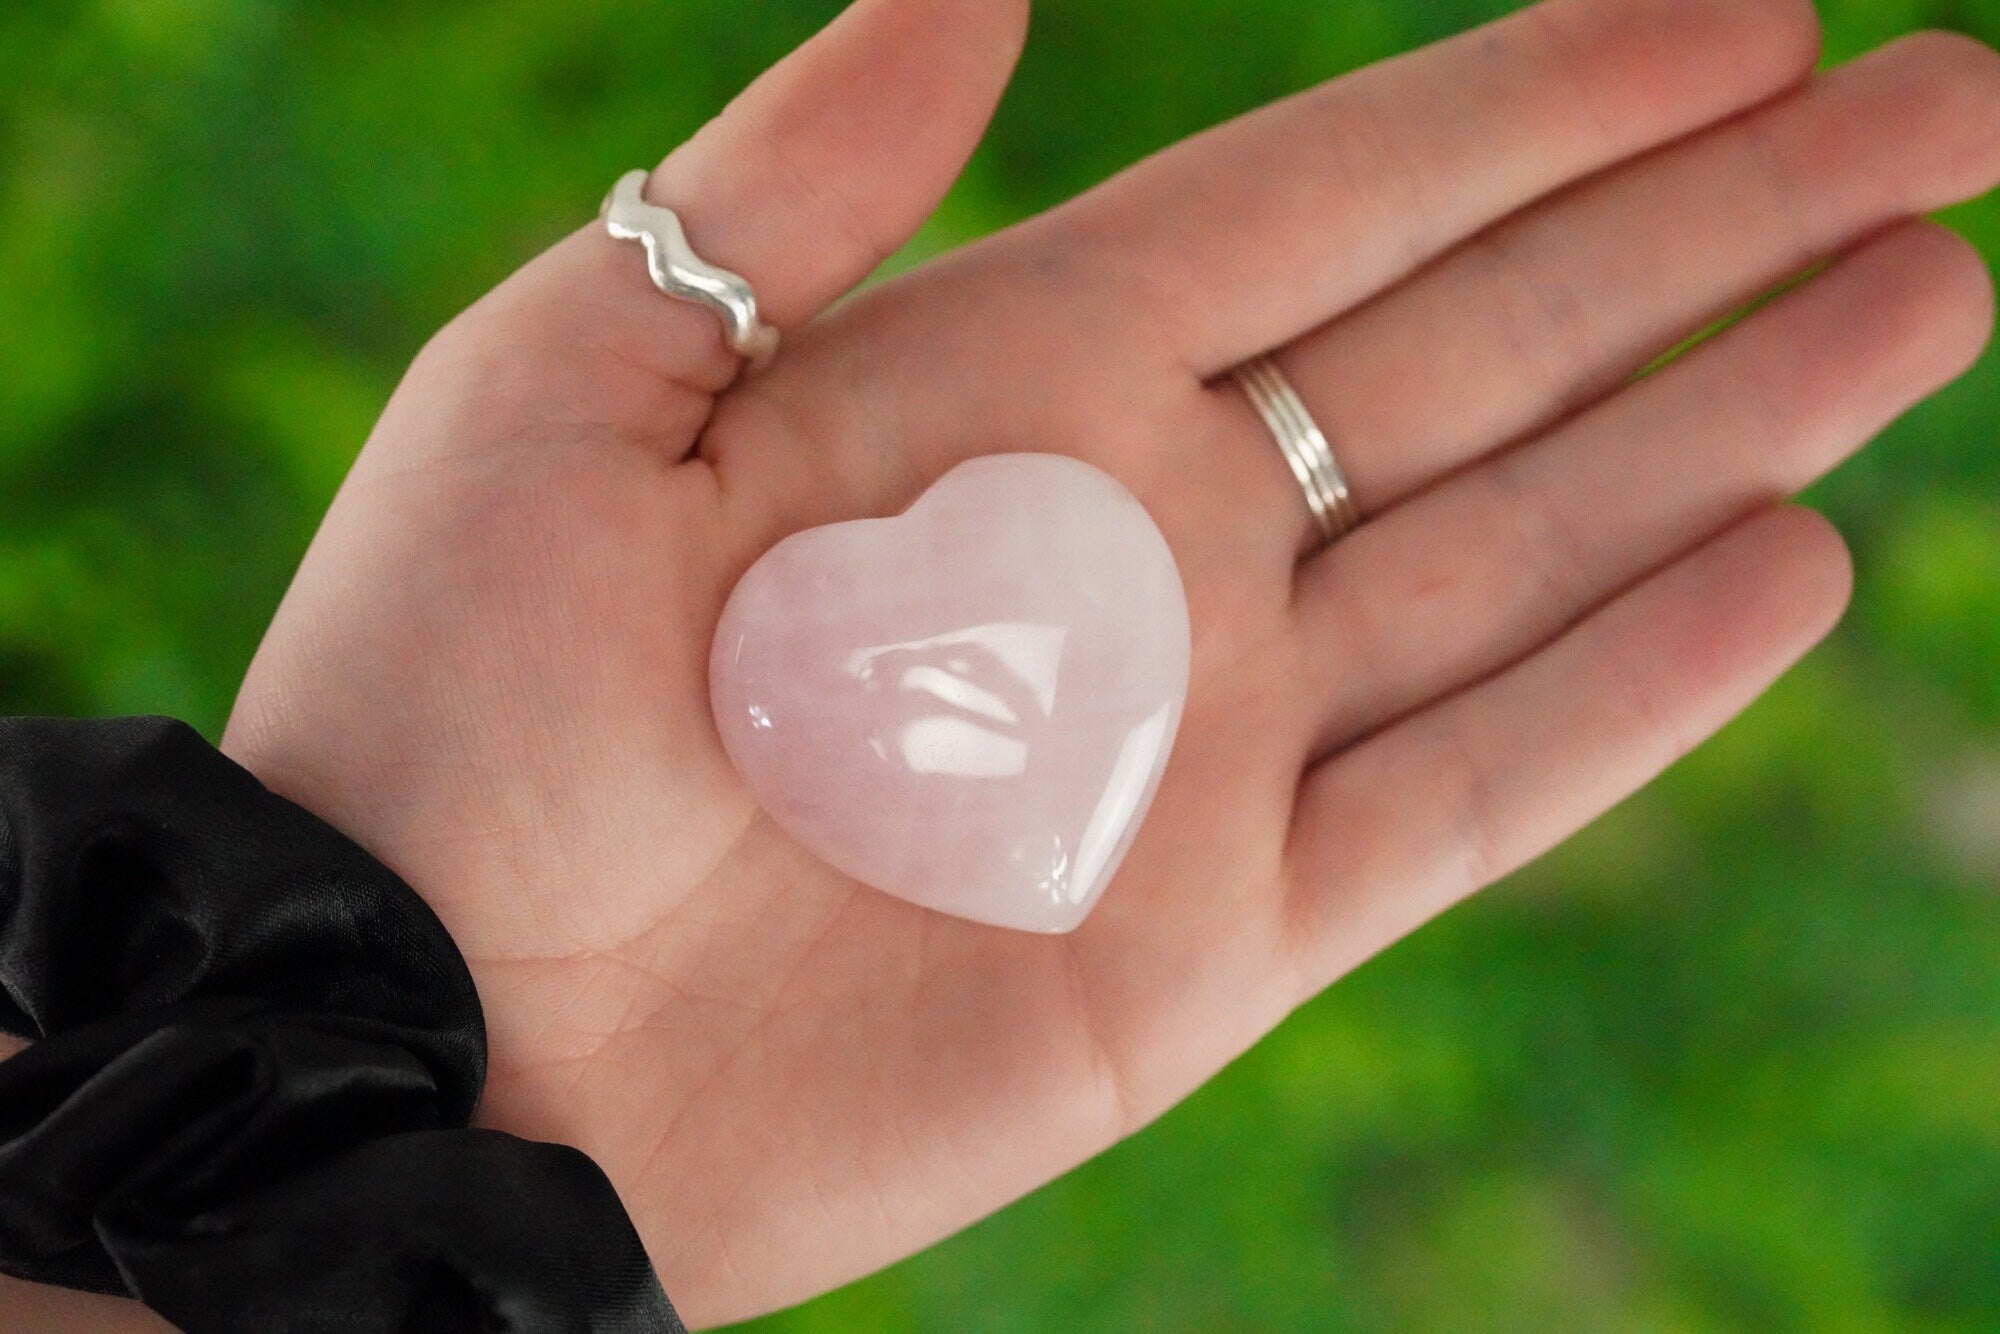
[{"x": 1251, "y": 234}]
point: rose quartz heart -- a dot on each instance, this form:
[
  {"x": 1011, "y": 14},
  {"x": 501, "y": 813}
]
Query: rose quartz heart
[{"x": 968, "y": 705}]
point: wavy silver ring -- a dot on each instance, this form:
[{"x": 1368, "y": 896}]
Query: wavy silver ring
[
  {"x": 1304, "y": 445},
  {"x": 680, "y": 273}
]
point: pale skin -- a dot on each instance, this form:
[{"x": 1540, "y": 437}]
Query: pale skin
[{"x": 491, "y": 668}]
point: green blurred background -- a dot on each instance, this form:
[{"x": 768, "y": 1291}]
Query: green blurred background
[{"x": 1729, "y": 1061}]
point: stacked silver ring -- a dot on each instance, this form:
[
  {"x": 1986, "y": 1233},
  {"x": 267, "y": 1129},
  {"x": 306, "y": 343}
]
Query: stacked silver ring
[{"x": 1305, "y": 447}]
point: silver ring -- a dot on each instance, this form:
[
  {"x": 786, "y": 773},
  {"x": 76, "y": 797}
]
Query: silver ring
[
  {"x": 684, "y": 275},
  {"x": 1304, "y": 445}
]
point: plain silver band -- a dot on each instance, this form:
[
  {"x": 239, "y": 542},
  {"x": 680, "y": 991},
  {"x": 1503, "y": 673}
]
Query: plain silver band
[
  {"x": 680, "y": 273},
  {"x": 1304, "y": 445}
]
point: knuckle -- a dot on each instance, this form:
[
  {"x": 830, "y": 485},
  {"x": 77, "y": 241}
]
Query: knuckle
[
  {"x": 1641, "y": 683},
  {"x": 1582, "y": 62},
  {"x": 1546, "y": 543},
  {"x": 833, "y": 206},
  {"x": 1542, "y": 317},
  {"x": 1340, "y": 684},
  {"x": 1366, "y": 147},
  {"x": 1482, "y": 856}
]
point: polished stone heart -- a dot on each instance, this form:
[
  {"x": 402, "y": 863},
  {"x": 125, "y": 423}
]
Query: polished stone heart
[{"x": 968, "y": 705}]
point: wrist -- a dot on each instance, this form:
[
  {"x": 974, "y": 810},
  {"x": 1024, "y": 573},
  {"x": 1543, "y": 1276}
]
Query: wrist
[{"x": 51, "y": 1310}]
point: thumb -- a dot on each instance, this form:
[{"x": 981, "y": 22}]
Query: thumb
[
  {"x": 827, "y": 164},
  {"x": 824, "y": 166}
]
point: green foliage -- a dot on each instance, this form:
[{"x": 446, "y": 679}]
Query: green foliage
[{"x": 1729, "y": 1061}]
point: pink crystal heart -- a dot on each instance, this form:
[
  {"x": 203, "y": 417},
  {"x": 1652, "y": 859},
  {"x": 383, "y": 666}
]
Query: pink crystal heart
[{"x": 968, "y": 705}]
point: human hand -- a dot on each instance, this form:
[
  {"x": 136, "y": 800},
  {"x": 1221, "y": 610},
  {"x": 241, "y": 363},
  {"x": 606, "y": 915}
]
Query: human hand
[{"x": 491, "y": 669}]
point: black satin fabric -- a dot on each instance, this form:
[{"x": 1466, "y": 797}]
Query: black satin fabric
[{"x": 256, "y": 1053}]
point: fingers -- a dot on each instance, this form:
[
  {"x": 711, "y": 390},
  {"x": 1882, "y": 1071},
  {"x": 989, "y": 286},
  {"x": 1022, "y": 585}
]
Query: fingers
[
  {"x": 1269, "y": 225},
  {"x": 825, "y": 165},
  {"x": 1437, "y": 807},
  {"x": 1553, "y": 308},
  {"x": 1246, "y": 237},
  {"x": 1297, "y": 208},
  {"x": 1467, "y": 578}
]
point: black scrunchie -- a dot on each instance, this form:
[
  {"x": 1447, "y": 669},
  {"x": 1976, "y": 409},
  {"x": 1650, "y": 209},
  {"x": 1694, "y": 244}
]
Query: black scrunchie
[{"x": 257, "y": 1051}]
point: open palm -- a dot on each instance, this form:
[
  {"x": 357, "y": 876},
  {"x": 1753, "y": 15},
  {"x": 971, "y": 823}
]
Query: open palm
[{"x": 491, "y": 669}]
